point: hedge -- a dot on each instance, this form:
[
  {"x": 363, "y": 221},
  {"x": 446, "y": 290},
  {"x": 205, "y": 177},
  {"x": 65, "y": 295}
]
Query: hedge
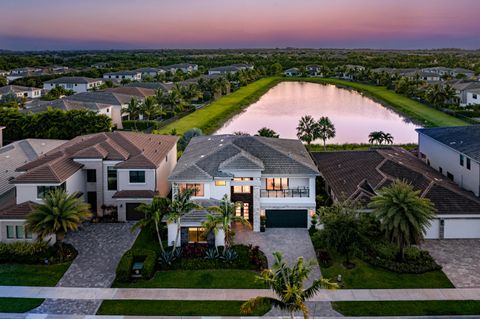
[
  {"x": 124, "y": 268},
  {"x": 140, "y": 125},
  {"x": 24, "y": 252}
]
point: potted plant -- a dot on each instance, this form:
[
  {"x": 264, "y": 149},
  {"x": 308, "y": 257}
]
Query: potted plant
[{"x": 263, "y": 223}]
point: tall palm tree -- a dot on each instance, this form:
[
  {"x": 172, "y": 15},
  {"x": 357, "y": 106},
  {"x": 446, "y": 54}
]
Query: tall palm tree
[
  {"x": 222, "y": 217},
  {"x": 375, "y": 137},
  {"x": 267, "y": 132},
  {"x": 387, "y": 138},
  {"x": 149, "y": 107},
  {"x": 154, "y": 212},
  {"x": 132, "y": 109},
  {"x": 326, "y": 130},
  {"x": 307, "y": 129},
  {"x": 287, "y": 284},
  {"x": 58, "y": 214},
  {"x": 403, "y": 215},
  {"x": 181, "y": 205}
]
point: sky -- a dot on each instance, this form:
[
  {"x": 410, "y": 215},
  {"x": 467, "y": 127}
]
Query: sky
[{"x": 156, "y": 24}]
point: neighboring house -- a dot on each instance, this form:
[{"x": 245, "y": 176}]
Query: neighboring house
[
  {"x": 151, "y": 85},
  {"x": 443, "y": 71},
  {"x": 473, "y": 96},
  {"x": 20, "y": 91},
  {"x": 100, "y": 65},
  {"x": 139, "y": 92},
  {"x": 234, "y": 68},
  {"x": 123, "y": 75},
  {"x": 292, "y": 72},
  {"x": 3, "y": 73},
  {"x": 461, "y": 88},
  {"x": 422, "y": 75},
  {"x": 76, "y": 84},
  {"x": 146, "y": 72},
  {"x": 314, "y": 70},
  {"x": 184, "y": 67},
  {"x": 454, "y": 152},
  {"x": 357, "y": 176},
  {"x": 114, "y": 171},
  {"x": 271, "y": 177},
  {"x": 23, "y": 72},
  {"x": 349, "y": 71}
]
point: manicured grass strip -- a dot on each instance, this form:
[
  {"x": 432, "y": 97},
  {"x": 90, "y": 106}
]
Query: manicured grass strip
[
  {"x": 422, "y": 113},
  {"x": 212, "y": 117},
  {"x": 369, "y": 277},
  {"x": 173, "y": 308},
  {"x": 214, "y": 278},
  {"x": 408, "y": 308},
  {"x": 19, "y": 305},
  {"x": 31, "y": 275}
]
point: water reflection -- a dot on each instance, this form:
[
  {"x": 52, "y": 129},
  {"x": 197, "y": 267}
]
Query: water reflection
[{"x": 354, "y": 115}]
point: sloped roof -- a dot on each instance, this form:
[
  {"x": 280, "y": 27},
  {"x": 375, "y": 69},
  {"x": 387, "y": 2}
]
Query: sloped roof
[
  {"x": 111, "y": 98},
  {"x": 149, "y": 85},
  {"x": 133, "y": 91},
  {"x": 207, "y": 157},
  {"x": 66, "y": 105},
  {"x": 134, "y": 150},
  {"x": 73, "y": 80},
  {"x": 353, "y": 175},
  {"x": 16, "y": 89},
  {"x": 19, "y": 211}
]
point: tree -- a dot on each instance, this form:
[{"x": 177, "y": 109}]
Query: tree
[
  {"x": 185, "y": 139},
  {"x": 326, "y": 130},
  {"x": 132, "y": 109},
  {"x": 403, "y": 215},
  {"x": 375, "y": 137},
  {"x": 287, "y": 285},
  {"x": 307, "y": 129},
  {"x": 154, "y": 212},
  {"x": 58, "y": 214},
  {"x": 387, "y": 138},
  {"x": 222, "y": 217},
  {"x": 149, "y": 107},
  {"x": 267, "y": 132}
]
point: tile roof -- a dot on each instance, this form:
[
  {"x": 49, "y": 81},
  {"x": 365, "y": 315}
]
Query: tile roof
[
  {"x": 464, "y": 139},
  {"x": 134, "y": 150},
  {"x": 123, "y": 73},
  {"x": 102, "y": 97},
  {"x": 17, "y": 211},
  {"x": 73, "y": 80},
  {"x": 207, "y": 157},
  {"x": 134, "y": 194},
  {"x": 16, "y": 89},
  {"x": 149, "y": 85},
  {"x": 353, "y": 175},
  {"x": 133, "y": 91},
  {"x": 66, "y": 105}
]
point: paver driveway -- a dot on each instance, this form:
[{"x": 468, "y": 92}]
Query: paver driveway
[
  {"x": 100, "y": 247},
  {"x": 460, "y": 260},
  {"x": 293, "y": 243}
]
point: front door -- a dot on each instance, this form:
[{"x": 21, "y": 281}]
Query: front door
[
  {"x": 244, "y": 195},
  {"x": 92, "y": 200}
]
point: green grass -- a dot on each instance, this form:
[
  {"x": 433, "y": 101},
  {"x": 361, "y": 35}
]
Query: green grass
[
  {"x": 421, "y": 113},
  {"x": 365, "y": 276},
  {"x": 173, "y": 308},
  {"x": 18, "y": 305},
  {"x": 211, "y": 278},
  {"x": 31, "y": 275},
  {"x": 408, "y": 308},
  {"x": 212, "y": 117},
  {"x": 355, "y": 147}
]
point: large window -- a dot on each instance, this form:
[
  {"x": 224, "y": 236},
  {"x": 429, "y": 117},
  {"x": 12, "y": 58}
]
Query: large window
[
  {"x": 469, "y": 163},
  {"x": 42, "y": 191},
  {"x": 137, "y": 177},
  {"x": 196, "y": 235},
  {"x": 245, "y": 189},
  {"x": 20, "y": 232},
  {"x": 198, "y": 189},
  {"x": 111, "y": 178},
  {"x": 462, "y": 159},
  {"x": 91, "y": 175},
  {"x": 10, "y": 231},
  {"x": 220, "y": 183},
  {"x": 277, "y": 183}
]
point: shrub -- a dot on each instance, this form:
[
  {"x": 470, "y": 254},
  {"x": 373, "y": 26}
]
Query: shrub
[
  {"x": 124, "y": 268},
  {"x": 319, "y": 240},
  {"x": 323, "y": 257},
  {"x": 194, "y": 250},
  {"x": 24, "y": 252},
  {"x": 140, "y": 125}
]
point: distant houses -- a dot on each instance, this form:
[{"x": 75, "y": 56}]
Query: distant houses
[
  {"x": 76, "y": 84},
  {"x": 20, "y": 91},
  {"x": 292, "y": 72},
  {"x": 123, "y": 75},
  {"x": 232, "y": 69}
]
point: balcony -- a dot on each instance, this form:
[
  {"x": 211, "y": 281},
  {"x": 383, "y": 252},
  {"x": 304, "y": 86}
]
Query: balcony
[{"x": 289, "y": 192}]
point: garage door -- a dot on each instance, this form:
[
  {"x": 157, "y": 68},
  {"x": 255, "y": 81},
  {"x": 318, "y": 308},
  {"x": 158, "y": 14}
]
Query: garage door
[
  {"x": 462, "y": 228},
  {"x": 132, "y": 213},
  {"x": 282, "y": 218}
]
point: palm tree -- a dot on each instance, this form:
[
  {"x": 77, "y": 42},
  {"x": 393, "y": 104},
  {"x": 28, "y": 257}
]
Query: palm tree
[
  {"x": 287, "y": 284},
  {"x": 326, "y": 130},
  {"x": 154, "y": 212},
  {"x": 181, "y": 205},
  {"x": 132, "y": 109},
  {"x": 307, "y": 129},
  {"x": 267, "y": 132},
  {"x": 149, "y": 107},
  {"x": 387, "y": 138},
  {"x": 58, "y": 214},
  {"x": 222, "y": 217},
  {"x": 402, "y": 214}
]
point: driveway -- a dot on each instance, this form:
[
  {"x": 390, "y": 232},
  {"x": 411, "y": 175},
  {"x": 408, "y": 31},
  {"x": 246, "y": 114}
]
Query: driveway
[
  {"x": 293, "y": 243},
  {"x": 100, "y": 247},
  {"x": 460, "y": 260}
]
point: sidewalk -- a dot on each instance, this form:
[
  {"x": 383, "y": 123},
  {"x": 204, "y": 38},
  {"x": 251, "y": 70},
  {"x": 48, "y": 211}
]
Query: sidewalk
[{"x": 233, "y": 294}]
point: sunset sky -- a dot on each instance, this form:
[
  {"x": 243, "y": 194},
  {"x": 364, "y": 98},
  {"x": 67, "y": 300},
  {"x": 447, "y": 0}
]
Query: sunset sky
[{"x": 130, "y": 24}]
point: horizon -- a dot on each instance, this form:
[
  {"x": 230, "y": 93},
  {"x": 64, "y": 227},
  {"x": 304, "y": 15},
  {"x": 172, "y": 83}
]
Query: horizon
[{"x": 148, "y": 25}]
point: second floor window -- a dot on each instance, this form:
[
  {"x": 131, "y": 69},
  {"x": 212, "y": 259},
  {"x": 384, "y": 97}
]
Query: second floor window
[
  {"x": 91, "y": 176},
  {"x": 277, "y": 183},
  {"x": 43, "y": 190},
  {"x": 469, "y": 163},
  {"x": 462, "y": 159},
  {"x": 245, "y": 189},
  {"x": 137, "y": 177},
  {"x": 197, "y": 189},
  {"x": 111, "y": 178}
]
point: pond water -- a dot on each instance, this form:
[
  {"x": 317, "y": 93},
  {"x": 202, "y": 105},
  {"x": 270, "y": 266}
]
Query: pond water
[{"x": 353, "y": 115}]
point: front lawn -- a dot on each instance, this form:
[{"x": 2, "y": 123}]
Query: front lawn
[
  {"x": 408, "y": 308},
  {"x": 173, "y": 308},
  {"x": 19, "y": 305},
  {"x": 211, "y": 278},
  {"x": 31, "y": 275}
]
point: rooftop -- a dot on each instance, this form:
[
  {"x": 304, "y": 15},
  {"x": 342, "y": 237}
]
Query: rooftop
[
  {"x": 103, "y": 97},
  {"x": 73, "y": 80},
  {"x": 16, "y": 89}
]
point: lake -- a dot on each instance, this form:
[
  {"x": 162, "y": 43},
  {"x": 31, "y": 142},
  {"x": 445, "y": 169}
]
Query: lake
[{"x": 353, "y": 114}]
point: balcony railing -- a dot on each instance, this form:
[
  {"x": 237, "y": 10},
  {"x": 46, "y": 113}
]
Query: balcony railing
[{"x": 290, "y": 192}]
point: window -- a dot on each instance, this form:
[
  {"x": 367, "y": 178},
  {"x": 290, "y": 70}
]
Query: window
[
  {"x": 42, "y": 191},
  {"x": 28, "y": 234},
  {"x": 137, "y": 177},
  {"x": 462, "y": 159},
  {"x": 197, "y": 189},
  {"x": 111, "y": 178},
  {"x": 91, "y": 176},
  {"x": 474, "y": 96},
  {"x": 220, "y": 183},
  {"x": 10, "y": 231},
  {"x": 69, "y": 85},
  {"x": 242, "y": 189},
  {"x": 469, "y": 164},
  {"x": 19, "y": 230},
  {"x": 450, "y": 176},
  {"x": 277, "y": 183},
  {"x": 440, "y": 169},
  {"x": 196, "y": 235}
]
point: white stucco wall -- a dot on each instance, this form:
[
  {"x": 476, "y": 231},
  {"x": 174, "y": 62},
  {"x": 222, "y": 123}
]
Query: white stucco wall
[
  {"x": 19, "y": 222},
  {"x": 462, "y": 228},
  {"x": 124, "y": 180},
  {"x": 472, "y": 98}
]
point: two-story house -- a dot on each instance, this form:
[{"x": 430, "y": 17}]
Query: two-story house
[
  {"x": 454, "y": 152},
  {"x": 123, "y": 75},
  {"x": 74, "y": 83},
  {"x": 20, "y": 91},
  {"x": 270, "y": 177},
  {"x": 113, "y": 172}
]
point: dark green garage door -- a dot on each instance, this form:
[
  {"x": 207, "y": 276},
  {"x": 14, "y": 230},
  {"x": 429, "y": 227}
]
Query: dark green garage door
[
  {"x": 283, "y": 218},
  {"x": 132, "y": 213}
]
